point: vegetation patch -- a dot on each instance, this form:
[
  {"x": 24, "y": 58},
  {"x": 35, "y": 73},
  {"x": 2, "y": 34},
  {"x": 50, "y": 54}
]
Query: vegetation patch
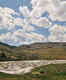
[{"x": 49, "y": 72}]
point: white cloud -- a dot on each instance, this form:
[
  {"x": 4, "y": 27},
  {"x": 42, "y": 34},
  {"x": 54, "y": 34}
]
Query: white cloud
[
  {"x": 34, "y": 17},
  {"x": 19, "y": 22},
  {"x": 21, "y": 37},
  {"x": 57, "y": 34},
  {"x": 24, "y": 11},
  {"x": 57, "y": 28},
  {"x": 39, "y": 7},
  {"x": 22, "y": 23},
  {"x": 28, "y": 28},
  {"x": 57, "y": 12},
  {"x": 29, "y": 37},
  {"x": 56, "y": 8},
  {"x": 7, "y": 10},
  {"x": 6, "y": 18},
  {"x": 42, "y": 22}
]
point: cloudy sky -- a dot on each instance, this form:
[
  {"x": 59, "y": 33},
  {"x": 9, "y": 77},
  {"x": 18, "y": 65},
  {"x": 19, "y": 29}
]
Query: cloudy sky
[{"x": 29, "y": 21}]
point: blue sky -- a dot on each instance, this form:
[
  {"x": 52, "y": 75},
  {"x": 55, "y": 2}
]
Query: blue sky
[
  {"x": 11, "y": 3},
  {"x": 29, "y": 21}
]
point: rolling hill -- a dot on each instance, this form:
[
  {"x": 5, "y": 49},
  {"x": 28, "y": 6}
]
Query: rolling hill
[{"x": 33, "y": 51}]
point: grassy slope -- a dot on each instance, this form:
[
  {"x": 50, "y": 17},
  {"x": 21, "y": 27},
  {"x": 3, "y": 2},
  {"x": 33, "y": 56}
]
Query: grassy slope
[
  {"x": 43, "y": 51},
  {"x": 50, "y": 72},
  {"x": 48, "y": 53},
  {"x": 34, "y": 52}
]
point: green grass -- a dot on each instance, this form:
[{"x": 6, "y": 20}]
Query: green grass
[{"x": 49, "y": 72}]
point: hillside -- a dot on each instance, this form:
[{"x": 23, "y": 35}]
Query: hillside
[{"x": 33, "y": 51}]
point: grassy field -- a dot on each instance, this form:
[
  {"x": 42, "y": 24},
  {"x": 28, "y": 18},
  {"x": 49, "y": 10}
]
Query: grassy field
[
  {"x": 49, "y": 72},
  {"x": 47, "y": 53},
  {"x": 37, "y": 51}
]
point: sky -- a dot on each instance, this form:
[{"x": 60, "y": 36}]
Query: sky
[{"x": 31, "y": 21}]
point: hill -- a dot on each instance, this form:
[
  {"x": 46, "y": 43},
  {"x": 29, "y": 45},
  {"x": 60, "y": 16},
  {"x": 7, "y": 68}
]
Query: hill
[{"x": 34, "y": 51}]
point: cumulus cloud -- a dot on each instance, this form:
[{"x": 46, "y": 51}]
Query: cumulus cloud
[
  {"x": 25, "y": 37},
  {"x": 21, "y": 37},
  {"x": 39, "y": 7},
  {"x": 7, "y": 11},
  {"x": 7, "y": 21},
  {"x": 19, "y": 21},
  {"x": 24, "y": 11},
  {"x": 6, "y": 18},
  {"x": 42, "y": 22},
  {"x": 58, "y": 11},
  {"x": 57, "y": 34},
  {"x": 56, "y": 8},
  {"x": 26, "y": 34},
  {"x": 34, "y": 17}
]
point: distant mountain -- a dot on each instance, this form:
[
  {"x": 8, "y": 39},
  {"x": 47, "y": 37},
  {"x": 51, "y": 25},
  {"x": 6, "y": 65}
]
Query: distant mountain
[
  {"x": 7, "y": 45},
  {"x": 50, "y": 50}
]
